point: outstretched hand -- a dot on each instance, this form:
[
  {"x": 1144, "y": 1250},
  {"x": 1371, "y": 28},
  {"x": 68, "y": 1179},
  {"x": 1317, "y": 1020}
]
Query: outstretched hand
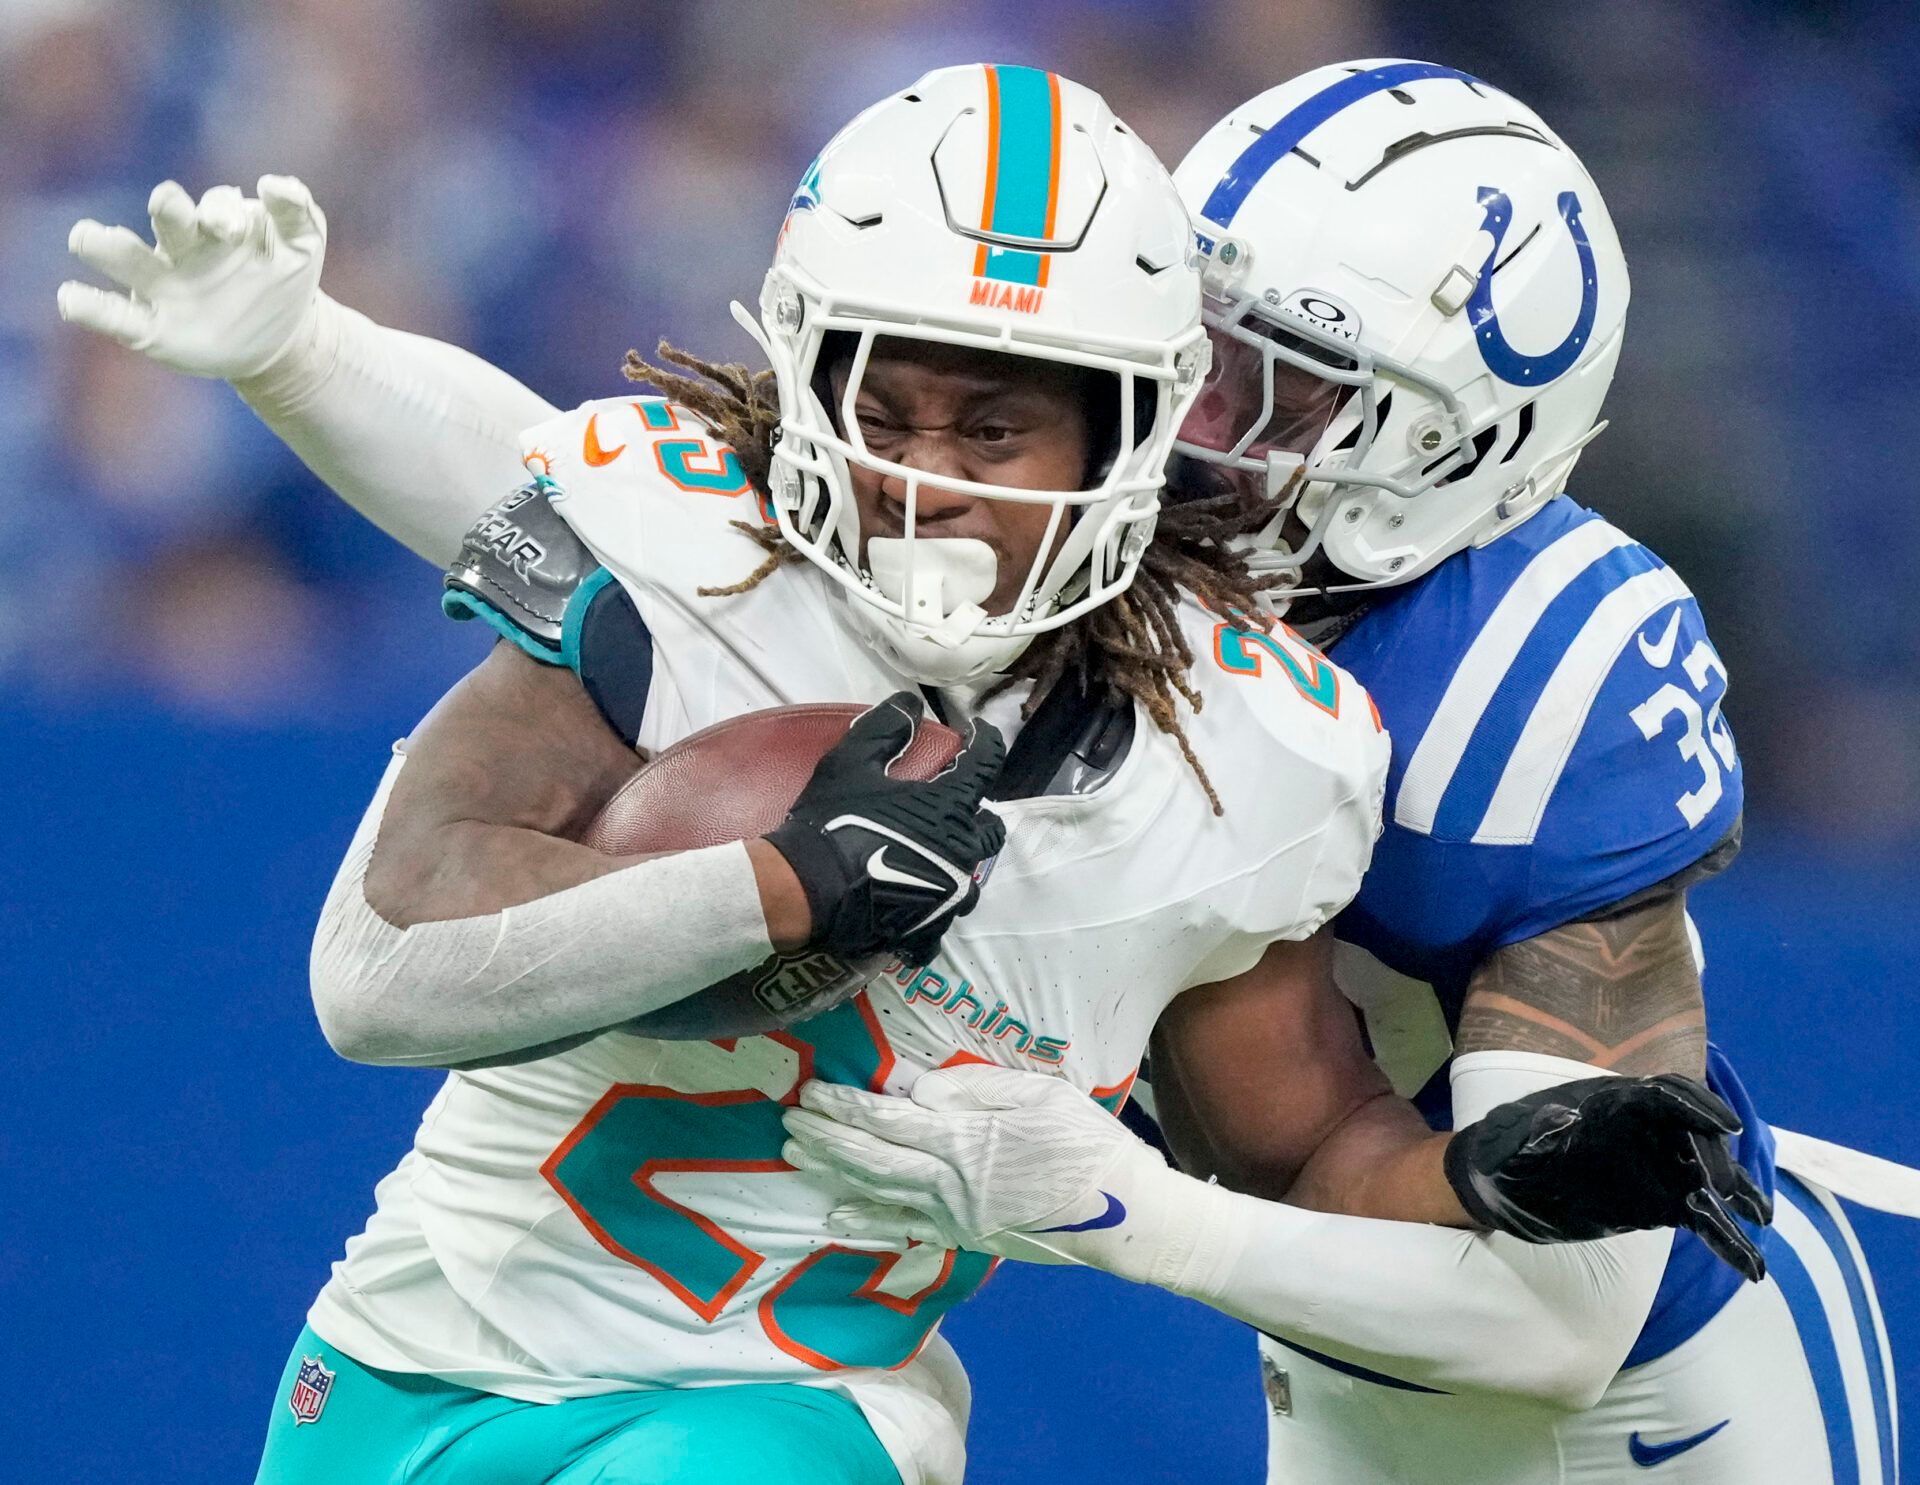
[
  {"x": 223, "y": 289},
  {"x": 1606, "y": 1155}
]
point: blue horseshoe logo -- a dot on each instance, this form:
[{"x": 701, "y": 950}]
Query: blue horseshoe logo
[{"x": 1502, "y": 359}]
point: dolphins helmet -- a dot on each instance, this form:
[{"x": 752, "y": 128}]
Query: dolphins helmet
[
  {"x": 1416, "y": 299},
  {"x": 1005, "y": 209}
]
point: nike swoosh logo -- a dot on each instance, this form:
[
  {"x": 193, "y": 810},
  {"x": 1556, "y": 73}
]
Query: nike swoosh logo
[
  {"x": 1113, "y": 1216},
  {"x": 591, "y": 451},
  {"x": 1648, "y": 1455},
  {"x": 878, "y": 869},
  {"x": 1658, "y": 655},
  {"x": 952, "y": 890}
]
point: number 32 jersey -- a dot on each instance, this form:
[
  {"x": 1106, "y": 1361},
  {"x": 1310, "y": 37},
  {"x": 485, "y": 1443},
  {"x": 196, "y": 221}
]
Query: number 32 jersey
[
  {"x": 1558, "y": 745},
  {"x": 618, "y": 1215}
]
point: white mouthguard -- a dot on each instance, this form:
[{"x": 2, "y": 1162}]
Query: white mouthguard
[{"x": 951, "y": 577}]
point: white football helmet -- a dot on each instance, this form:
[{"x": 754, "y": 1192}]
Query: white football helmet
[
  {"x": 1416, "y": 293},
  {"x": 1002, "y": 208}
]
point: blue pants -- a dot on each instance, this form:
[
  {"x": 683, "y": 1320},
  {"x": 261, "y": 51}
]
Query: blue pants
[{"x": 397, "y": 1428}]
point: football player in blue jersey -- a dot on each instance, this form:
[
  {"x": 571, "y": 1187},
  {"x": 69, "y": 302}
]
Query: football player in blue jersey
[
  {"x": 1561, "y": 774},
  {"x": 1417, "y": 302}
]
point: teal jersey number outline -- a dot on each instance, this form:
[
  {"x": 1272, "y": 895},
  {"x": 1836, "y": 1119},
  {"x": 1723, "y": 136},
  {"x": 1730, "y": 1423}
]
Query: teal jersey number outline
[
  {"x": 1239, "y": 652},
  {"x": 674, "y": 457},
  {"x": 828, "y": 1309}
]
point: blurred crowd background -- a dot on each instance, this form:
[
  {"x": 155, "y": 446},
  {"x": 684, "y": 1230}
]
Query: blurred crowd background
[
  {"x": 202, "y": 656},
  {"x": 552, "y": 181}
]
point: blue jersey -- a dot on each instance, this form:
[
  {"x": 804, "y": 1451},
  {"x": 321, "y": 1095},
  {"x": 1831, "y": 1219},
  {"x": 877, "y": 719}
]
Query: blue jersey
[{"x": 1558, "y": 745}]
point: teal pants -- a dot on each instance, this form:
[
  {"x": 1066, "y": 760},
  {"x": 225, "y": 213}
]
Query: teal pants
[{"x": 400, "y": 1428}]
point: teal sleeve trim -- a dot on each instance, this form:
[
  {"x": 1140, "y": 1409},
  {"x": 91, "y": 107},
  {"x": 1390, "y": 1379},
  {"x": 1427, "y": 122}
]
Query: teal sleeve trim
[
  {"x": 456, "y": 604},
  {"x": 576, "y": 617}
]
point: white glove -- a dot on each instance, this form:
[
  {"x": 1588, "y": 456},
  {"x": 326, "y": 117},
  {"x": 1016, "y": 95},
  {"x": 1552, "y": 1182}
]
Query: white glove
[
  {"x": 1001, "y": 1161},
  {"x": 227, "y": 287}
]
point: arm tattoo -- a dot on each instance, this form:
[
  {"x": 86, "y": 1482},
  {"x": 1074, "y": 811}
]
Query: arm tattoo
[{"x": 1620, "y": 992}]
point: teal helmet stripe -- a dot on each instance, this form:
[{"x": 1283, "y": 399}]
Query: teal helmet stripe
[{"x": 1023, "y": 170}]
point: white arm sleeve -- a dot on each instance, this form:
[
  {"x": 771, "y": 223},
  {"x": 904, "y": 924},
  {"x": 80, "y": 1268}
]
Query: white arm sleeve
[
  {"x": 1429, "y": 1305},
  {"x": 418, "y": 436},
  {"x": 555, "y": 970}
]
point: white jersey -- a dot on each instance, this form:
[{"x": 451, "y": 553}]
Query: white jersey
[
  {"x": 618, "y": 1215},
  {"x": 1789, "y": 1383}
]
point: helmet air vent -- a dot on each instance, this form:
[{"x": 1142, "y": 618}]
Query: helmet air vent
[
  {"x": 1483, "y": 442},
  {"x": 1516, "y": 250},
  {"x": 1525, "y": 420},
  {"x": 1414, "y": 143}
]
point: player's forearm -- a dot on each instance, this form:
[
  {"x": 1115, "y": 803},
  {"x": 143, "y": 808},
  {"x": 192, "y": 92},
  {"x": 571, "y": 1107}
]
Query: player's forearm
[
  {"x": 628, "y": 940},
  {"x": 466, "y": 869},
  {"x": 1428, "y": 1304},
  {"x": 1440, "y": 1308},
  {"x": 1434, "y": 1306},
  {"x": 418, "y": 436},
  {"x": 1382, "y": 1161}
]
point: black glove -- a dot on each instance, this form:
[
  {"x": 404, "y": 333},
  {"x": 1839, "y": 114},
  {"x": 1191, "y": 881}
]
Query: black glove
[
  {"x": 1607, "y": 1155},
  {"x": 888, "y": 864}
]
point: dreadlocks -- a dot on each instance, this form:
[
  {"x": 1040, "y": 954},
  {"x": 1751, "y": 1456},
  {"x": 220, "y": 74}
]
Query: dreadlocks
[{"x": 1131, "y": 647}]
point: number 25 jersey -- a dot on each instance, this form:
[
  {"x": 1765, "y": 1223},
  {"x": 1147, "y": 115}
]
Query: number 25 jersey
[{"x": 618, "y": 1215}]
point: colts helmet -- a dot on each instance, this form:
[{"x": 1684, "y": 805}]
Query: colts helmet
[
  {"x": 1005, "y": 209},
  {"x": 1416, "y": 299}
]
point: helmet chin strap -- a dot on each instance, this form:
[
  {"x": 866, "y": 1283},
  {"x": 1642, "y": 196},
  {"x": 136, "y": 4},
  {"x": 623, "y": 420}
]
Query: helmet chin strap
[{"x": 942, "y": 583}]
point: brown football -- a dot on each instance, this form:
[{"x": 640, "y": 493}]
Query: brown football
[{"x": 733, "y": 781}]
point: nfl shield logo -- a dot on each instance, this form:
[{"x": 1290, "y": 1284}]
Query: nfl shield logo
[
  {"x": 1279, "y": 1387},
  {"x": 310, "y": 1389}
]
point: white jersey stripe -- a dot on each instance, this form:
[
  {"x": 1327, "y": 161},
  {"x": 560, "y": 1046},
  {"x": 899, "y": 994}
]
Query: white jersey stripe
[
  {"x": 1879, "y": 1339},
  {"x": 1559, "y": 716},
  {"x": 1485, "y": 666},
  {"x": 1823, "y": 1268}
]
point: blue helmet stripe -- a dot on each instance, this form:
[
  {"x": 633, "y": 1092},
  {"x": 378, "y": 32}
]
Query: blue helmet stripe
[{"x": 1287, "y": 132}]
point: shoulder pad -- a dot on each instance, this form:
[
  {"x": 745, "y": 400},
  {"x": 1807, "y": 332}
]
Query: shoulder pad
[
  {"x": 1558, "y": 732},
  {"x": 518, "y": 567},
  {"x": 524, "y": 572}
]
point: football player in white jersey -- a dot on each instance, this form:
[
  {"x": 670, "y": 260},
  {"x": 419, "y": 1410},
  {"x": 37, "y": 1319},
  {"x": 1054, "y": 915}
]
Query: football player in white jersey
[
  {"x": 1417, "y": 301},
  {"x": 595, "y": 1262}
]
